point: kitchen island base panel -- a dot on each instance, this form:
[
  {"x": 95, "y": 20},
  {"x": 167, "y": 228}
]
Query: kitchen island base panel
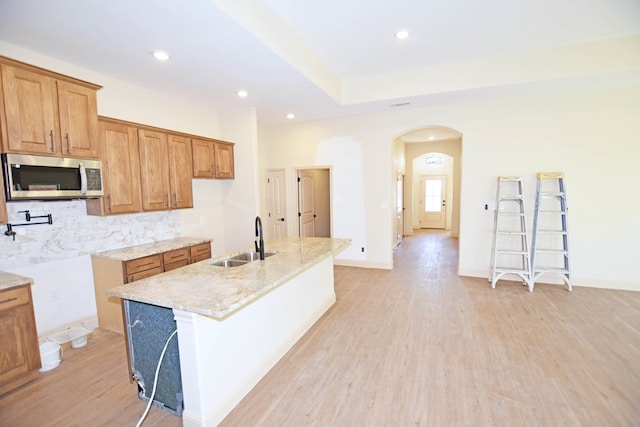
[{"x": 221, "y": 361}]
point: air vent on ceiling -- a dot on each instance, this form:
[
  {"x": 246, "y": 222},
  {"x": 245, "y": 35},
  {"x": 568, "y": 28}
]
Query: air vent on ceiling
[{"x": 400, "y": 104}]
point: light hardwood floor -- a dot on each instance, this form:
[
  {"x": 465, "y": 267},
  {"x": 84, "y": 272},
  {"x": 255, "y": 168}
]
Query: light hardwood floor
[{"x": 414, "y": 346}]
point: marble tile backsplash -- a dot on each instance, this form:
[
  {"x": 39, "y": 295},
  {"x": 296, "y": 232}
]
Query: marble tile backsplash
[{"x": 74, "y": 233}]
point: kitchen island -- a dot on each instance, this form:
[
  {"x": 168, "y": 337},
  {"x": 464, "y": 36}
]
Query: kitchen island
[{"x": 235, "y": 323}]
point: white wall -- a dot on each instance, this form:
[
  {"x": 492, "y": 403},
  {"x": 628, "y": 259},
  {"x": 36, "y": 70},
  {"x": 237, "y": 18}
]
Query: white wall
[
  {"x": 360, "y": 164},
  {"x": 64, "y": 296},
  {"x": 591, "y": 136}
]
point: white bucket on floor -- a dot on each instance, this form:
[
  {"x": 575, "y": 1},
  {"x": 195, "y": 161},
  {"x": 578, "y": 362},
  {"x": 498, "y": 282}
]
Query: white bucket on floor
[{"x": 50, "y": 355}]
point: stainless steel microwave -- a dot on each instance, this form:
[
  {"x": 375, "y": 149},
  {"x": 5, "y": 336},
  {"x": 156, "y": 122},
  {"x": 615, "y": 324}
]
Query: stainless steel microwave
[{"x": 29, "y": 177}]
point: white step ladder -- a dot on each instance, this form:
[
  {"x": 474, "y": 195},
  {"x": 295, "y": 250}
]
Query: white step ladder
[
  {"x": 510, "y": 248},
  {"x": 550, "y": 239}
]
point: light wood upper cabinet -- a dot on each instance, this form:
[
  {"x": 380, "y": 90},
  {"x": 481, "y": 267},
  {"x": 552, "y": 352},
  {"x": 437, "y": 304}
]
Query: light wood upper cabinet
[
  {"x": 118, "y": 150},
  {"x": 180, "y": 165},
  {"x": 47, "y": 113},
  {"x": 203, "y": 158},
  {"x": 154, "y": 170},
  {"x": 78, "y": 120},
  {"x": 212, "y": 159},
  {"x": 29, "y": 121},
  {"x": 224, "y": 161}
]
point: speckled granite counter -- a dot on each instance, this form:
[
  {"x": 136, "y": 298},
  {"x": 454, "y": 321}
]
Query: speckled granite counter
[
  {"x": 217, "y": 292},
  {"x": 140, "y": 251},
  {"x": 10, "y": 280}
]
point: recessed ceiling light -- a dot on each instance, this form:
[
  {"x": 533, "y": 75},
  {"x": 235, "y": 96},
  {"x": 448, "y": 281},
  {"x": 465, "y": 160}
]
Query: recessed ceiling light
[
  {"x": 291, "y": 116},
  {"x": 431, "y": 138},
  {"x": 160, "y": 55},
  {"x": 242, "y": 93},
  {"x": 402, "y": 34}
]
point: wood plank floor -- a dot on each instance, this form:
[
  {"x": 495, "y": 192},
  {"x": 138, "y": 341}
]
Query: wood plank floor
[{"x": 414, "y": 346}]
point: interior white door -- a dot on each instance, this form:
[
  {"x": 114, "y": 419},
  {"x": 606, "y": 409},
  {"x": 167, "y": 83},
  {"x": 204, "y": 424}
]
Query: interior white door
[
  {"x": 306, "y": 204},
  {"x": 433, "y": 212},
  {"x": 276, "y": 204}
]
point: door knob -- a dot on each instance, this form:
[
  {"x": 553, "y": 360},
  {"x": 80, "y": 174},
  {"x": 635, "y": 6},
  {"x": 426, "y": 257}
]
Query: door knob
[{"x": 281, "y": 219}]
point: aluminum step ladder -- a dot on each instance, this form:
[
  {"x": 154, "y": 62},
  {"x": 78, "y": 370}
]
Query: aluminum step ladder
[
  {"x": 550, "y": 238},
  {"x": 510, "y": 248}
]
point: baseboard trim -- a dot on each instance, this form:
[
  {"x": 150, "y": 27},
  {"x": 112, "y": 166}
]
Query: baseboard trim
[
  {"x": 363, "y": 264},
  {"x": 550, "y": 280}
]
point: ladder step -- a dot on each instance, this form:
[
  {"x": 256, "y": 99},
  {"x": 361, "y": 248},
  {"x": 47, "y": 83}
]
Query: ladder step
[
  {"x": 505, "y": 252},
  {"x": 553, "y": 212},
  {"x": 512, "y": 233},
  {"x": 553, "y": 194},
  {"x": 510, "y": 213},
  {"x": 552, "y": 251},
  {"x": 552, "y": 231},
  {"x": 556, "y": 270},
  {"x": 511, "y": 270}
]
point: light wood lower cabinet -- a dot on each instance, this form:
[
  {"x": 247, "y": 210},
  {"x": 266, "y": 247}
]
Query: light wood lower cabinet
[
  {"x": 19, "y": 349},
  {"x": 109, "y": 273}
]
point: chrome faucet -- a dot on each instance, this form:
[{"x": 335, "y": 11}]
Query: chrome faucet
[{"x": 259, "y": 241}]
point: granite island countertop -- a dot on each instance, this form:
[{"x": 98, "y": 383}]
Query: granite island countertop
[
  {"x": 147, "y": 249},
  {"x": 217, "y": 292},
  {"x": 10, "y": 280}
]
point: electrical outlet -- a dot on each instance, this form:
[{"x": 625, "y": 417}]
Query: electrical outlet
[{"x": 362, "y": 249}]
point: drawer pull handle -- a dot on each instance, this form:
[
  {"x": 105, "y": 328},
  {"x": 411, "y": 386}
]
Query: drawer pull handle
[
  {"x": 149, "y": 263},
  {"x": 8, "y": 300}
]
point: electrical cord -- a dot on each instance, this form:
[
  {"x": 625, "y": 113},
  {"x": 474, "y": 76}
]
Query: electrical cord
[{"x": 155, "y": 380}]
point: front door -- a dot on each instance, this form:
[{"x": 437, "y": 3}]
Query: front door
[
  {"x": 276, "y": 204},
  {"x": 433, "y": 213}
]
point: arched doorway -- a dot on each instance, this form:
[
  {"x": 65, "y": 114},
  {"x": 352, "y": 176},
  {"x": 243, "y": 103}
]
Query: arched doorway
[{"x": 417, "y": 144}]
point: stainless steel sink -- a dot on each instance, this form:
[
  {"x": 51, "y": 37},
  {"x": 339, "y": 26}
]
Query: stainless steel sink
[
  {"x": 240, "y": 259},
  {"x": 228, "y": 263},
  {"x": 251, "y": 256}
]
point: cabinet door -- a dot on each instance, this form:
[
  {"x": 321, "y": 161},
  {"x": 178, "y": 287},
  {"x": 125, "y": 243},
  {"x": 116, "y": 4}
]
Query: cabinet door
[
  {"x": 154, "y": 170},
  {"x": 203, "y": 158},
  {"x": 224, "y": 161},
  {"x": 118, "y": 145},
  {"x": 19, "y": 352},
  {"x": 180, "y": 166},
  {"x": 78, "y": 120},
  {"x": 4, "y": 217},
  {"x": 30, "y": 120}
]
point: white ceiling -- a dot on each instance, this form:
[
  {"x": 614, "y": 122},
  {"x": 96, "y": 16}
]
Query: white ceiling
[{"x": 332, "y": 58}]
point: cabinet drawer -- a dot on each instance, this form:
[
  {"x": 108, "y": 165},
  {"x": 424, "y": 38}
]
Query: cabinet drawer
[
  {"x": 14, "y": 297},
  {"x": 177, "y": 264},
  {"x": 141, "y": 264},
  {"x": 143, "y": 274},
  {"x": 175, "y": 256},
  {"x": 200, "y": 252}
]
